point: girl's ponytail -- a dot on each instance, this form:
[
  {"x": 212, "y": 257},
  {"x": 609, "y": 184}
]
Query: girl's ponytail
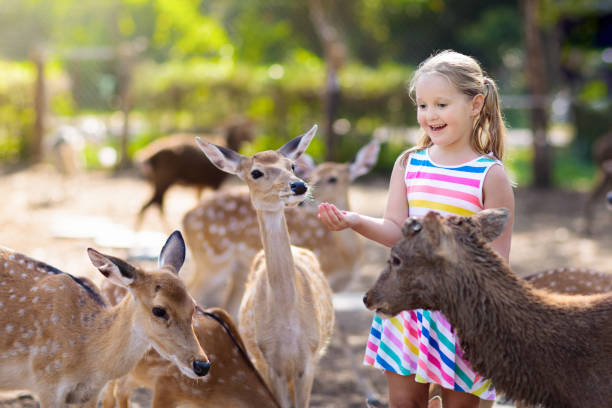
[{"x": 489, "y": 129}]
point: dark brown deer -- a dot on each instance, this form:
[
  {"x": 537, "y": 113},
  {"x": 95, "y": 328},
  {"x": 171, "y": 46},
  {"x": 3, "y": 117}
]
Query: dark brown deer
[
  {"x": 176, "y": 159},
  {"x": 602, "y": 156},
  {"x": 543, "y": 348}
]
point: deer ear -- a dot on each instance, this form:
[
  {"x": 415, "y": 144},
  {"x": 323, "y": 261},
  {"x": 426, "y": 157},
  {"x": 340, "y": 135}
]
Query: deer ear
[
  {"x": 364, "y": 160},
  {"x": 432, "y": 226},
  {"x": 223, "y": 158},
  {"x": 492, "y": 222},
  {"x": 294, "y": 148},
  {"x": 114, "y": 269},
  {"x": 304, "y": 166},
  {"x": 173, "y": 252}
]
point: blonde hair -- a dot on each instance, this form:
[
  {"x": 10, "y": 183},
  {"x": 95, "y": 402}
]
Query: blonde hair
[{"x": 465, "y": 73}]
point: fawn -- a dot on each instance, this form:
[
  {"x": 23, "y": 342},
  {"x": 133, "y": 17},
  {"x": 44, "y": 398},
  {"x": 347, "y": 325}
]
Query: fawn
[
  {"x": 286, "y": 316},
  {"x": 60, "y": 339},
  {"x": 535, "y": 346},
  {"x": 222, "y": 232}
]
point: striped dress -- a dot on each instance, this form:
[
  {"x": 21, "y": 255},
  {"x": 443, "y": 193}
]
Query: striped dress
[{"x": 422, "y": 342}]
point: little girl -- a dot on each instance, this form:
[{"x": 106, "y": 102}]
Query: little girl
[{"x": 455, "y": 168}]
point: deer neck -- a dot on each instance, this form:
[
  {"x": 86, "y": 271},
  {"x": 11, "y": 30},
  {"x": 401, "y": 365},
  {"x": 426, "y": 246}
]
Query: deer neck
[
  {"x": 122, "y": 340},
  {"x": 277, "y": 249}
]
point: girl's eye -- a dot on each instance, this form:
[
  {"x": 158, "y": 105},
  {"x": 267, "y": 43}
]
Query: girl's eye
[
  {"x": 421, "y": 106},
  {"x": 442, "y": 105},
  {"x": 256, "y": 174}
]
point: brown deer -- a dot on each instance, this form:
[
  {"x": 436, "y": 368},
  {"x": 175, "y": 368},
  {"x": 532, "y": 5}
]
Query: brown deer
[
  {"x": 570, "y": 281},
  {"x": 222, "y": 232},
  {"x": 503, "y": 322},
  {"x": 286, "y": 316},
  {"x": 61, "y": 340},
  {"x": 233, "y": 381},
  {"x": 176, "y": 159},
  {"x": 602, "y": 156}
]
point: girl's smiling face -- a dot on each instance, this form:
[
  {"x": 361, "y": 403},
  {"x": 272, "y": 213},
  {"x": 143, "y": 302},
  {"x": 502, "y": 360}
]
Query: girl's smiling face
[{"x": 445, "y": 113}]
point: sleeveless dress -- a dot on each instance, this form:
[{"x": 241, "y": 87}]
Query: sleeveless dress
[{"x": 422, "y": 342}]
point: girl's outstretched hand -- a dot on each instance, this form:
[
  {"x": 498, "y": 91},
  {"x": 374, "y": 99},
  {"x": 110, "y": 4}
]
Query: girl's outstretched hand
[{"x": 335, "y": 219}]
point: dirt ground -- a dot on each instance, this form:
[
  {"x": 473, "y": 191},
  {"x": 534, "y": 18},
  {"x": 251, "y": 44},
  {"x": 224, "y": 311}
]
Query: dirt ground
[{"x": 54, "y": 219}]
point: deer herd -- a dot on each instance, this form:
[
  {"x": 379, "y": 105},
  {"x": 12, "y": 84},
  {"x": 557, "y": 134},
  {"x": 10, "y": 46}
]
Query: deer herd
[{"x": 261, "y": 255}]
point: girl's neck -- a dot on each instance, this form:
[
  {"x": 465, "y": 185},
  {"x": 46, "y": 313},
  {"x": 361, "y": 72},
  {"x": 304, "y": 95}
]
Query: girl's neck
[{"x": 451, "y": 155}]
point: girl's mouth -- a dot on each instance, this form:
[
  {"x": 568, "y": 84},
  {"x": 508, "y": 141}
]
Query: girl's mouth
[{"x": 437, "y": 128}]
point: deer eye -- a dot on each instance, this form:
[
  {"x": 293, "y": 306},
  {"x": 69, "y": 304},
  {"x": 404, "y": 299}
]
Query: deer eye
[
  {"x": 160, "y": 312},
  {"x": 395, "y": 261},
  {"x": 293, "y": 168},
  {"x": 332, "y": 180},
  {"x": 256, "y": 174}
]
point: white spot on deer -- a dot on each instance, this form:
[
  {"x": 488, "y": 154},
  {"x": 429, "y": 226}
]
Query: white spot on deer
[
  {"x": 55, "y": 318},
  {"x": 22, "y": 261},
  {"x": 231, "y": 205},
  {"x": 34, "y": 289},
  {"x": 30, "y": 265},
  {"x": 21, "y": 312},
  {"x": 22, "y": 299},
  {"x": 13, "y": 296},
  {"x": 6, "y": 264},
  {"x": 319, "y": 233},
  {"x": 1, "y": 304},
  {"x": 35, "y": 299},
  {"x": 36, "y": 278},
  {"x": 11, "y": 272},
  {"x": 12, "y": 257},
  {"x": 9, "y": 328}
]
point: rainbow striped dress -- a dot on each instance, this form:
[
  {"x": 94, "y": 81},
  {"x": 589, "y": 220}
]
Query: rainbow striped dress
[{"x": 422, "y": 342}]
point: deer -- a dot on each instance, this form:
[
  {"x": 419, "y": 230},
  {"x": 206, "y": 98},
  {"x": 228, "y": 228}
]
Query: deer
[
  {"x": 232, "y": 382},
  {"x": 62, "y": 341},
  {"x": 564, "y": 280},
  {"x": 602, "y": 156},
  {"x": 286, "y": 316},
  {"x": 222, "y": 232},
  {"x": 447, "y": 264},
  {"x": 176, "y": 159}
]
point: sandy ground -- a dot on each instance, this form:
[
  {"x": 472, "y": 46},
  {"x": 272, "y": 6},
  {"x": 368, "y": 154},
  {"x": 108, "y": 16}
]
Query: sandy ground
[{"x": 55, "y": 219}]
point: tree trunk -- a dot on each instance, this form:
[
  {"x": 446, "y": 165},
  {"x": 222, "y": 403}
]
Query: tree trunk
[
  {"x": 335, "y": 55},
  {"x": 535, "y": 69}
]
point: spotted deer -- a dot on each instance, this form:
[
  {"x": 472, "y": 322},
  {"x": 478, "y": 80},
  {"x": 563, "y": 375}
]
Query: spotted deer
[
  {"x": 62, "y": 341},
  {"x": 286, "y": 316},
  {"x": 233, "y": 381},
  {"x": 222, "y": 232},
  {"x": 545, "y": 348}
]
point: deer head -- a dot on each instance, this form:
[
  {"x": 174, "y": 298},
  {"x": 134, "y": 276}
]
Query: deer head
[
  {"x": 426, "y": 257},
  {"x": 269, "y": 174},
  {"x": 163, "y": 307}
]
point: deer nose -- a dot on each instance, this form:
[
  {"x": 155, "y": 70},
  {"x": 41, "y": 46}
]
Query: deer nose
[
  {"x": 298, "y": 187},
  {"x": 609, "y": 197},
  {"x": 365, "y": 300},
  {"x": 200, "y": 368}
]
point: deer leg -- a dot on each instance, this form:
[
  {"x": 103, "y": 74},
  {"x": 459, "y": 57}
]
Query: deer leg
[
  {"x": 280, "y": 387},
  {"x": 107, "y": 396},
  {"x": 303, "y": 387},
  {"x": 123, "y": 390},
  {"x": 363, "y": 383}
]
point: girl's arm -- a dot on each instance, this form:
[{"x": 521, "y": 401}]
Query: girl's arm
[
  {"x": 497, "y": 192},
  {"x": 387, "y": 230}
]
